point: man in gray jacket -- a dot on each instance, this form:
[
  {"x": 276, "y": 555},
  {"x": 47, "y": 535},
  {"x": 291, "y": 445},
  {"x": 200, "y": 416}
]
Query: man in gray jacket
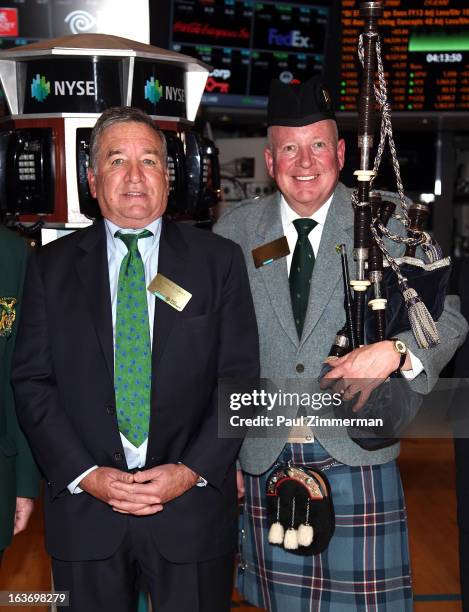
[{"x": 366, "y": 565}]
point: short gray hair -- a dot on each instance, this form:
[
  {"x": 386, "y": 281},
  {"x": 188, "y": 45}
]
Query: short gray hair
[{"x": 121, "y": 114}]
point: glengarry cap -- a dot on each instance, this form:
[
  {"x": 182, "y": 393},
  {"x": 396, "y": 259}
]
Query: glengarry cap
[{"x": 298, "y": 104}]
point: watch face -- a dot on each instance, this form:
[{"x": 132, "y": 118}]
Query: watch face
[{"x": 400, "y": 347}]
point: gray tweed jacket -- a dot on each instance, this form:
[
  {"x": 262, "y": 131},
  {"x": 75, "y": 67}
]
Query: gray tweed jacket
[{"x": 252, "y": 223}]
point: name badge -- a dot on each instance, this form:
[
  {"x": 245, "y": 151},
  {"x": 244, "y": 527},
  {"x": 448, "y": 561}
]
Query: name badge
[
  {"x": 267, "y": 253},
  {"x": 169, "y": 292}
]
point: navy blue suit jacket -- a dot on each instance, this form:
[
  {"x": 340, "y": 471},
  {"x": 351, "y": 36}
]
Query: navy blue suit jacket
[{"x": 63, "y": 378}]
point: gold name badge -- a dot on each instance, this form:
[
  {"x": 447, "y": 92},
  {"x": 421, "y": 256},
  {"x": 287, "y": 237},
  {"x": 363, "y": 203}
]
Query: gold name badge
[
  {"x": 169, "y": 292},
  {"x": 267, "y": 253}
]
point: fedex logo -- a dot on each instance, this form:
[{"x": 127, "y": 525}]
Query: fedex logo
[{"x": 292, "y": 39}]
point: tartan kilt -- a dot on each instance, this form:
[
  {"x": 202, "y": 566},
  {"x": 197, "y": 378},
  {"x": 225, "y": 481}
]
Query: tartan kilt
[{"x": 366, "y": 565}]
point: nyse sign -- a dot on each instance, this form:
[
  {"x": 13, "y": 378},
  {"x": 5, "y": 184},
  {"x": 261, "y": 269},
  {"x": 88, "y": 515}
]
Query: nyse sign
[
  {"x": 75, "y": 88},
  {"x": 61, "y": 85}
]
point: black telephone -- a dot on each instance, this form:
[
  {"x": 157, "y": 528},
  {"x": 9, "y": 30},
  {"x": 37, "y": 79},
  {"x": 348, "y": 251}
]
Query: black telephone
[
  {"x": 203, "y": 173},
  {"x": 177, "y": 173},
  {"x": 88, "y": 205},
  {"x": 27, "y": 171},
  {"x": 194, "y": 173}
]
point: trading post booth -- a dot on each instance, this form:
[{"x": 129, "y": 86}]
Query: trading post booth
[{"x": 56, "y": 89}]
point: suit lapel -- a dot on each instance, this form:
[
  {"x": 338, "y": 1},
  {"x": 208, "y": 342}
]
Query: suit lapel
[
  {"x": 328, "y": 270},
  {"x": 275, "y": 275},
  {"x": 93, "y": 272},
  {"x": 172, "y": 263}
]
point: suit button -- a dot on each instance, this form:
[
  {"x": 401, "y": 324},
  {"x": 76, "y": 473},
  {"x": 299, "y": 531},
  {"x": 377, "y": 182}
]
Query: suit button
[
  {"x": 118, "y": 456},
  {"x": 110, "y": 410},
  {"x": 300, "y": 368}
]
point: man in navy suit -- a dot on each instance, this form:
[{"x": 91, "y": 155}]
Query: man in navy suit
[{"x": 165, "y": 506}]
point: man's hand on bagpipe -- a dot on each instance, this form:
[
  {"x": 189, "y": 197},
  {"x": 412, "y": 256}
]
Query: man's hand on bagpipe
[{"x": 362, "y": 371}]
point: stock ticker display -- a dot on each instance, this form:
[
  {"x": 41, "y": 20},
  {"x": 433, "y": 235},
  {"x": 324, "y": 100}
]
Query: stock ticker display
[
  {"x": 425, "y": 50},
  {"x": 248, "y": 43}
]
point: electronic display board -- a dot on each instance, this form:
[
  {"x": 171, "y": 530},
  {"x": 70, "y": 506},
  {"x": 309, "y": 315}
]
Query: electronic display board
[
  {"x": 27, "y": 21},
  {"x": 250, "y": 42},
  {"x": 425, "y": 51}
]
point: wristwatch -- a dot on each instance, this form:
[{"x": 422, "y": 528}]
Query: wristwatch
[
  {"x": 201, "y": 482},
  {"x": 400, "y": 347}
]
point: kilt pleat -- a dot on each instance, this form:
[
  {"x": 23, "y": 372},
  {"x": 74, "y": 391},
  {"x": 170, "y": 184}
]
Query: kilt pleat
[{"x": 366, "y": 565}]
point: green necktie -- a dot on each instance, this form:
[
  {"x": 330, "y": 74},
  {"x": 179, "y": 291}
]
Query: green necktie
[
  {"x": 132, "y": 353},
  {"x": 301, "y": 269}
]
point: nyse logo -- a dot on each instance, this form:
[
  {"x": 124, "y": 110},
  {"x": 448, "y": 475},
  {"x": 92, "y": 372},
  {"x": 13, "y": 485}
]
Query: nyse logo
[
  {"x": 74, "y": 88},
  {"x": 175, "y": 94},
  {"x": 41, "y": 88},
  {"x": 154, "y": 92},
  {"x": 292, "y": 39}
]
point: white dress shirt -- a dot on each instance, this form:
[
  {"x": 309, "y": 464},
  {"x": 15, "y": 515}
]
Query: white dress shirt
[{"x": 288, "y": 215}]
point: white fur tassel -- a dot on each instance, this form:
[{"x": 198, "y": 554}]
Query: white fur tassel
[
  {"x": 291, "y": 539},
  {"x": 305, "y": 535},
  {"x": 276, "y": 533}
]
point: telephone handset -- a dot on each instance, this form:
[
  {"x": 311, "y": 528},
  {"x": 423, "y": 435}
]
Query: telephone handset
[
  {"x": 212, "y": 181},
  {"x": 177, "y": 173},
  {"x": 27, "y": 171},
  {"x": 88, "y": 205},
  {"x": 203, "y": 173}
]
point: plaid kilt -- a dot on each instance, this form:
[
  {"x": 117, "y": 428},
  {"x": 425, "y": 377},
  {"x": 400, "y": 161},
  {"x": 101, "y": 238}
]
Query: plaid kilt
[{"x": 366, "y": 565}]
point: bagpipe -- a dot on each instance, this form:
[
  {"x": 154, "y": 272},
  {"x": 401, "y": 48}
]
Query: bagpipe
[{"x": 387, "y": 295}]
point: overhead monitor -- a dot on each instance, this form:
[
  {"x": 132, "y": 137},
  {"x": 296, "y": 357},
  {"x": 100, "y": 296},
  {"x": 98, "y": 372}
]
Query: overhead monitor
[
  {"x": 425, "y": 50},
  {"x": 248, "y": 42},
  {"x": 27, "y": 21}
]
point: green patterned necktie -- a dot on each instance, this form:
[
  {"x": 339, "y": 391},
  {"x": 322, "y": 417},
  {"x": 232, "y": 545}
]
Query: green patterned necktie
[
  {"x": 132, "y": 353},
  {"x": 301, "y": 269}
]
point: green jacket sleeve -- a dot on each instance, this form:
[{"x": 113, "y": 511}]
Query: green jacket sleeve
[{"x": 27, "y": 475}]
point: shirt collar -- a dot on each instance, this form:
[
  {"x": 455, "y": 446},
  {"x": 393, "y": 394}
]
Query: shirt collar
[
  {"x": 289, "y": 215},
  {"x": 144, "y": 244}
]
